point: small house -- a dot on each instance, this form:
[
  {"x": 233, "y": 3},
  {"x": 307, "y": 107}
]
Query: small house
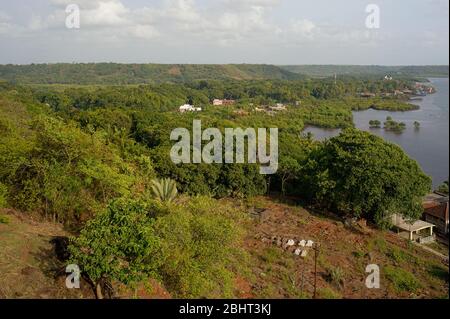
[
  {"x": 436, "y": 211},
  {"x": 419, "y": 230},
  {"x": 189, "y": 108}
]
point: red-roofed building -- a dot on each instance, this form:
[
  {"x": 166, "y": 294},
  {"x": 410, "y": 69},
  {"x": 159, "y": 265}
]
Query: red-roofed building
[{"x": 436, "y": 211}]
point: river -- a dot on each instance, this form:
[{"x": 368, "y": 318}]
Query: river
[{"x": 429, "y": 145}]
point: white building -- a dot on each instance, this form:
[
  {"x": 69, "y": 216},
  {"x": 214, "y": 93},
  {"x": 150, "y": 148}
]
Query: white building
[
  {"x": 189, "y": 108},
  {"x": 217, "y": 102}
]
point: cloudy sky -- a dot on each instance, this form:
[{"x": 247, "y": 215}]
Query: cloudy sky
[{"x": 225, "y": 31}]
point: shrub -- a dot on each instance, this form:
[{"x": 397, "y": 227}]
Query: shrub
[
  {"x": 191, "y": 248},
  {"x": 336, "y": 276},
  {"x": 118, "y": 245},
  {"x": 4, "y": 219},
  {"x": 200, "y": 244}
]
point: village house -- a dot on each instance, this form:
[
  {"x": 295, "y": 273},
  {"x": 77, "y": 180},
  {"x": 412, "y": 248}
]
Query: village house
[
  {"x": 419, "y": 231},
  {"x": 407, "y": 91},
  {"x": 367, "y": 94},
  {"x": 189, "y": 108},
  {"x": 279, "y": 107},
  {"x": 217, "y": 102},
  {"x": 436, "y": 211}
]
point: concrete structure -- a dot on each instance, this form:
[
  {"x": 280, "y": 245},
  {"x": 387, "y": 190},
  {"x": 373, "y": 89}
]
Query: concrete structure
[
  {"x": 279, "y": 107},
  {"x": 367, "y": 94},
  {"x": 217, "y": 102},
  {"x": 415, "y": 229},
  {"x": 436, "y": 211},
  {"x": 189, "y": 108}
]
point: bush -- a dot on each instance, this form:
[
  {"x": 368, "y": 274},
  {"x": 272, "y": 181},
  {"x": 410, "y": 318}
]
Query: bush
[
  {"x": 118, "y": 245},
  {"x": 191, "y": 248},
  {"x": 336, "y": 276},
  {"x": 200, "y": 245}
]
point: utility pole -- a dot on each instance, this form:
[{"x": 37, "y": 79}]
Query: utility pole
[{"x": 316, "y": 253}]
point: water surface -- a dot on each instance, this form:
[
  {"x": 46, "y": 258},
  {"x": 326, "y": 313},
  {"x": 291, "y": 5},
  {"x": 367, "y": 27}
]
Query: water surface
[{"x": 429, "y": 145}]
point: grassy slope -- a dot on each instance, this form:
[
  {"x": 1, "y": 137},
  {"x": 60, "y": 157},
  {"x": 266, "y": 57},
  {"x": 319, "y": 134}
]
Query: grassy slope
[{"x": 111, "y": 73}]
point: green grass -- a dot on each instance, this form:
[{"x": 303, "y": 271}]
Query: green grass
[
  {"x": 272, "y": 255},
  {"x": 401, "y": 279},
  {"x": 378, "y": 244},
  {"x": 335, "y": 275},
  {"x": 399, "y": 255},
  {"x": 358, "y": 254},
  {"x": 328, "y": 293},
  {"x": 438, "y": 271},
  {"x": 4, "y": 219}
]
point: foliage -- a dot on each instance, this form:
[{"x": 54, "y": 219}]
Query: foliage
[
  {"x": 3, "y": 195},
  {"x": 336, "y": 276},
  {"x": 119, "y": 244},
  {"x": 328, "y": 293},
  {"x": 190, "y": 248},
  {"x": 378, "y": 71},
  {"x": 200, "y": 244},
  {"x": 4, "y": 219},
  {"x": 52, "y": 166},
  {"x": 401, "y": 279},
  {"x": 443, "y": 188},
  {"x": 359, "y": 174},
  {"x": 391, "y": 125},
  {"x": 164, "y": 189},
  {"x": 374, "y": 124},
  {"x": 119, "y": 74}
]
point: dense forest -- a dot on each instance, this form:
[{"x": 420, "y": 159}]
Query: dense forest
[
  {"x": 96, "y": 158},
  {"x": 113, "y": 73}
]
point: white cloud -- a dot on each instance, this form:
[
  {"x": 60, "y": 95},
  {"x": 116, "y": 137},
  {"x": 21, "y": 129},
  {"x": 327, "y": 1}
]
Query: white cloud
[{"x": 251, "y": 27}]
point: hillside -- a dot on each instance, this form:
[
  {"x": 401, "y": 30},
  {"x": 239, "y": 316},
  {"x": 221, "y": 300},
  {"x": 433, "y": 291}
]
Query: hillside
[
  {"x": 369, "y": 70},
  {"x": 114, "y": 74},
  {"x": 31, "y": 268}
]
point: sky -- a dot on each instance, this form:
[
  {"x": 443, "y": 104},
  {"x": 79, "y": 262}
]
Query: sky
[{"x": 410, "y": 32}]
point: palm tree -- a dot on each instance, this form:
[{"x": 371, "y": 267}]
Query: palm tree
[{"x": 164, "y": 189}]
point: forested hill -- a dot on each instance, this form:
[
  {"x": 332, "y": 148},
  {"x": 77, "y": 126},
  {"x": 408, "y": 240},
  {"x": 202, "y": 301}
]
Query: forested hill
[
  {"x": 369, "y": 70},
  {"x": 112, "y": 73}
]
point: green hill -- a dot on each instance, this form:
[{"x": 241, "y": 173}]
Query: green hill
[
  {"x": 112, "y": 73},
  {"x": 369, "y": 70}
]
